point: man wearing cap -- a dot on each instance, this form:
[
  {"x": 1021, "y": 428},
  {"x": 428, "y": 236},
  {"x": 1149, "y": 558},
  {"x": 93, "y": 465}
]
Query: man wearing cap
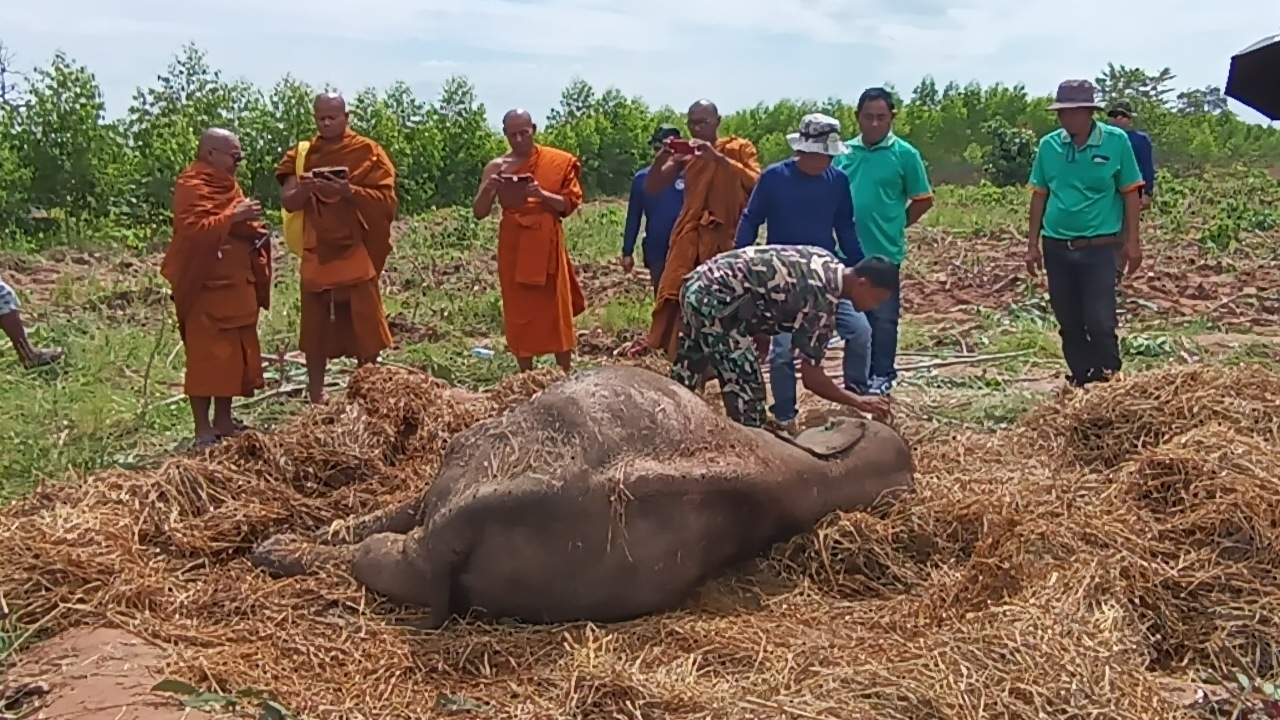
[
  {"x": 1121, "y": 115},
  {"x": 1085, "y": 200},
  {"x": 803, "y": 200},
  {"x": 659, "y": 213},
  {"x": 891, "y": 192}
]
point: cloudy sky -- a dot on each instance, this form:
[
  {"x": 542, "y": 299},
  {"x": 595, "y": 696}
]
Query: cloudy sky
[{"x": 736, "y": 52}]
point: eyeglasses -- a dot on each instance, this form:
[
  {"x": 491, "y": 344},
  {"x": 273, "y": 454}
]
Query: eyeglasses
[{"x": 235, "y": 156}]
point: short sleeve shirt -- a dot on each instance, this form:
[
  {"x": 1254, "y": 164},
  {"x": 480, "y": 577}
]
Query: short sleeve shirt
[
  {"x": 1085, "y": 184},
  {"x": 772, "y": 289},
  {"x": 884, "y": 178}
]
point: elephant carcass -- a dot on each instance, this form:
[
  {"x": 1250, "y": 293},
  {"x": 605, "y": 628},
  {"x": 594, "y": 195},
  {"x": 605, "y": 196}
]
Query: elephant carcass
[{"x": 610, "y": 495}]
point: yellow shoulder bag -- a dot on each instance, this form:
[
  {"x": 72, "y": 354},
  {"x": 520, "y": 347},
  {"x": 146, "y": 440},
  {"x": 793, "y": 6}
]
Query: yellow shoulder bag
[{"x": 293, "y": 227}]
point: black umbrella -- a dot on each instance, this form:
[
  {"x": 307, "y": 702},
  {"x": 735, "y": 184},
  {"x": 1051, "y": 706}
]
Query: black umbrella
[{"x": 1252, "y": 79}]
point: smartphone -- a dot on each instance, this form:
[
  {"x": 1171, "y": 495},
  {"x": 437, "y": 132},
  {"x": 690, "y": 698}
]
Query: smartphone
[
  {"x": 336, "y": 173},
  {"x": 680, "y": 147},
  {"x": 524, "y": 178}
]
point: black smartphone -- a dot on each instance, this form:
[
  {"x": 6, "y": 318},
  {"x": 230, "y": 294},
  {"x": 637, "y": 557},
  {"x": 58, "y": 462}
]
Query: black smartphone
[{"x": 335, "y": 173}]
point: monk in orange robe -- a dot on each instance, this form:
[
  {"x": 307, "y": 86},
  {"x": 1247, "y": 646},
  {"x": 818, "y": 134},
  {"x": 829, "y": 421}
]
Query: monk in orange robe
[
  {"x": 718, "y": 178},
  {"x": 537, "y": 187},
  {"x": 219, "y": 268},
  {"x": 347, "y": 215}
]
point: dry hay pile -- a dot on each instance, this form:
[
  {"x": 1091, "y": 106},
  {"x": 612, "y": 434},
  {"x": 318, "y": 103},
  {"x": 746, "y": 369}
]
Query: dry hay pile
[{"x": 1052, "y": 570}]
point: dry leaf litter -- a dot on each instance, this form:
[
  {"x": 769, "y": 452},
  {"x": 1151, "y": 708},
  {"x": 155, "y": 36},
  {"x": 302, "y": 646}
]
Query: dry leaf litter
[{"x": 1063, "y": 568}]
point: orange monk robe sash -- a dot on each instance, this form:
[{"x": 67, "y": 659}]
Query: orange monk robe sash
[
  {"x": 715, "y": 194},
  {"x": 540, "y": 291},
  {"x": 346, "y": 241},
  {"x": 206, "y": 245}
]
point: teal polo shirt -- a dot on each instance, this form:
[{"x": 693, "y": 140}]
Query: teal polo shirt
[
  {"x": 1085, "y": 185},
  {"x": 885, "y": 178}
]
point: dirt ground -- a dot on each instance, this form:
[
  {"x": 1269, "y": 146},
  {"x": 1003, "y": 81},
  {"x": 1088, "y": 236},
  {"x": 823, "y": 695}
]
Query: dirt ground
[{"x": 89, "y": 674}]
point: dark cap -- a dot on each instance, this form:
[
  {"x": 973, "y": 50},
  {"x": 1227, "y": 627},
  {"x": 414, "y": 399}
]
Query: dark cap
[
  {"x": 663, "y": 132},
  {"x": 1075, "y": 94},
  {"x": 1120, "y": 109}
]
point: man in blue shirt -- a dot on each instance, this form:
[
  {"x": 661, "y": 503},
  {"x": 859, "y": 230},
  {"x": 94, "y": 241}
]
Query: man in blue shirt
[
  {"x": 805, "y": 201},
  {"x": 659, "y": 213},
  {"x": 1121, "y": 115}
]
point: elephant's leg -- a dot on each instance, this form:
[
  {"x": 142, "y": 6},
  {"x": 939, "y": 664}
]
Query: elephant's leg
[
  {"x": 398, "y": 519},
  {"x": 289, "y": 556}
]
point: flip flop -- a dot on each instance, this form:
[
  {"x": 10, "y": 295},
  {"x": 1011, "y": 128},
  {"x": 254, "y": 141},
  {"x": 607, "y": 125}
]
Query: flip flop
[{"x": 199, "y": 444}]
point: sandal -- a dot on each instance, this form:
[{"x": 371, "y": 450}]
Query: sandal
[{"x": 42, "y": 358}]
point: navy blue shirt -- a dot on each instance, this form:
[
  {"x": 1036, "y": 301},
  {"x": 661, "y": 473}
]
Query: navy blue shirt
[
  {"x": 659, "y": 211},
  {"x": 1146, "y": 158},
  {"x": 802, "y": 209}
]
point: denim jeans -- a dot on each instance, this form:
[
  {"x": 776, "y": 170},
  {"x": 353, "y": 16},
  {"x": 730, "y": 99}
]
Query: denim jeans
[
  {"x": 852, "y": 326},
  {"x": 884, "y": 337},
  {"x": 1082, "y": 293}
]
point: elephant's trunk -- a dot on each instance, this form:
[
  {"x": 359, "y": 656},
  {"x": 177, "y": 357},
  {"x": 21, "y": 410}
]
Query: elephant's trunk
[{"x": 388, "y": 564}]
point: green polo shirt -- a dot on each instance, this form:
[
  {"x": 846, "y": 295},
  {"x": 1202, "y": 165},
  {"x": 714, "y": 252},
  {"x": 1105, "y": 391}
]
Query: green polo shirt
[
  {"x": 885, "y": 178},
  {"x": 1086, "y": 184}
]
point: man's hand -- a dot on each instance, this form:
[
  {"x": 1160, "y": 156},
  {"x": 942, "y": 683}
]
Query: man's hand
[
  {"x": 1132, "y": 256},
  {"x": 880, "y": 408},
  {"x": 534, "y": 190},
  {"x": 333, "y": 187},
  {"x": 247, "y": 210},
  {"x": 704, "y": 149},
  {"x": 1144, "y": 202},
  {"x": 492, "y": 183},
  {"x": 628, "y": 264},
  {"x": 1034, "y": 257}
]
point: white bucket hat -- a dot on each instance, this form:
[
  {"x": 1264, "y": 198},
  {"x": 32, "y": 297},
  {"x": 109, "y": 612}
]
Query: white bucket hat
[{"x": 818, "y": 134}]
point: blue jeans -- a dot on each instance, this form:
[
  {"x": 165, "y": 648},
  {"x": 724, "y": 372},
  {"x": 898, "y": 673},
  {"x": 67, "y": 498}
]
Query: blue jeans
[
  {"x": 852, "y": 326},
  {"x": 884, "y": 337}
]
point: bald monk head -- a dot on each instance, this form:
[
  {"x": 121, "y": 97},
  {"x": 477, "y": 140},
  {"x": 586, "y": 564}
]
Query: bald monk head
[
  {"x": 520, "y": 130},
  {"x": 221, "y": 149},
  {"x": 704, "y": 121},
  {"x": 331, "y": 115}
]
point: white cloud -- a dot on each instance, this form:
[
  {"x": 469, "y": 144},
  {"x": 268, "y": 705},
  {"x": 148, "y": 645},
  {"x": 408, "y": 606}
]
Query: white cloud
[{"x": 738, "y": 52}]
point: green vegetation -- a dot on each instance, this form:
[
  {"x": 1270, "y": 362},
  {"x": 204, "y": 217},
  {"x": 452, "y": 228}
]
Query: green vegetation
[
  {"x": 102, "y": 190},
  {"x": 116, "y": 400},
  {"x": 91, "y": 179}
]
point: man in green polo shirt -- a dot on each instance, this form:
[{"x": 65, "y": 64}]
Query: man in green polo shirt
[
  {"x": 1085, "y": 182},
  {"x": 890, "y": 193}
]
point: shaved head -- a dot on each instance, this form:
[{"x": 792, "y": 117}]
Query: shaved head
[
  {"x": 329, "y": 99},
  {"x": 331, "y": 115},
  {"x": 704, "y": 120},
  {"x": 220, "y": 148},
  {"x": 517, "y": 115},
  {"x": 705, "y": 104},
  {"x": 519, "y": 128}
]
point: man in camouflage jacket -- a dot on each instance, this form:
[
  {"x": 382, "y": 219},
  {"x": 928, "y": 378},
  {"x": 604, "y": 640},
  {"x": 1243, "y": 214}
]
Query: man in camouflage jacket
[{"x": 733, "y": 303}]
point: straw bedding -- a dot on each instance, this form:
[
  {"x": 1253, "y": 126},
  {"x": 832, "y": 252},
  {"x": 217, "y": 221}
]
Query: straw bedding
[{"x": 1057, "y": 569}]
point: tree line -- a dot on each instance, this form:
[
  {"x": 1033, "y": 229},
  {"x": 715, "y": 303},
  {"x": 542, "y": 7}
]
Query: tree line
[{"x": 68, "y": 172}]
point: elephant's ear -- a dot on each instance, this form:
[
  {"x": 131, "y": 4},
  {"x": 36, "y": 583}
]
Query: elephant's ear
[{"x": 705, "y": 473}]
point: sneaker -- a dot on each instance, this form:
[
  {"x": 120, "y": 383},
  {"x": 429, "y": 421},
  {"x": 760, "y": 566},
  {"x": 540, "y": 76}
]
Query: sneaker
[
  {"x": 789, "y": 427},
  {"x": 856, "y": 389},
  {"x": 880, "y": 386}
]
